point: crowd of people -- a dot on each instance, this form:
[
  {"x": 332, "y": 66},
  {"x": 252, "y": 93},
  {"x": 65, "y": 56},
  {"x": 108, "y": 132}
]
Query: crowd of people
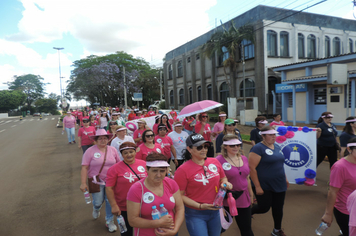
[{"x": 134, "y": 175}]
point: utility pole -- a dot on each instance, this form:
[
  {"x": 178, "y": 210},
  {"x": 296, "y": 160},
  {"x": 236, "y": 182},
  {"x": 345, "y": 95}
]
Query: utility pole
[
  {"x": 60, "y": 77},
  {"x": 125, "y": 88},
  {"x": 160, "y": 85}
]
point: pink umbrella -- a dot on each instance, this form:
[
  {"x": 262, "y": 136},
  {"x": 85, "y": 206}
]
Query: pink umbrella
[{"x": 198, "y": 107}]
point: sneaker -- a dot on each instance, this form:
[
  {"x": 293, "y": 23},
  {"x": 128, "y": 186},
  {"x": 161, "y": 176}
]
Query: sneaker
[
  {"x": 96, "y": 214},
  {"x": 74, "y": 141},
  {"x": 111, "y": 226},
  {"x": 69, "y": 143},
  {"x": 279, "y": 232}
]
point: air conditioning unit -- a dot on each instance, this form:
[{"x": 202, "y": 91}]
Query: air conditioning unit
[{"x": 337, "y": 74}]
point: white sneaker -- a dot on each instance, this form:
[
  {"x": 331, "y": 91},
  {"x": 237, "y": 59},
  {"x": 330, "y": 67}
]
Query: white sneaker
[
  {"x": 111, "y": 226},
  {"x": 96, "y": 214}
]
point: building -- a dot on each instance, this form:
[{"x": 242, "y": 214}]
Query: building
[{"x": 281, "y": 37}]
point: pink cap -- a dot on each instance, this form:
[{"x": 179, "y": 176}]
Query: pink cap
[
  {"x": 263, "y": 122},
  {"x": 348, "y": 121},
  {"x": 232, "y": 142},
  {"x": 124, "y": 148},
  {"x": 121, "y": 129},
  {"x": 157, "y": 164},
  {"x": 351, "y": 144},
  {"x": 271, "y": 131},
  {"x": 328, "y": 115},
  {"x": 222, "y": 115}
]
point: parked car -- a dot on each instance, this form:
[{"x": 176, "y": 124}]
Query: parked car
[
  {"x": 36, "y": 114},
  {"x": 46, "y": 114},
  {"x": 155, "y": 104}
]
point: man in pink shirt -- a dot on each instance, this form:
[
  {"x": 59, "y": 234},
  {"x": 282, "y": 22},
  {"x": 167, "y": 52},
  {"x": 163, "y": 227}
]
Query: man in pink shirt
[{"x": 166, "y": 143}]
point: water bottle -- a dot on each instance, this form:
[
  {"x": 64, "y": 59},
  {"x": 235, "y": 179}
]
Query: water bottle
[
  {"x": 62, "y": 132},
  {"x": 121, "y": 223},
  {"x": 163, "y": 211},
  {"x": 155, "y": 213},
  {"x": 87, "y": 197},
  {"x": 218, "y": 202},
  {"x": 170, "y": 176},
  {"x": 321, "y": 229},
  {"x": 232, "y": 205}
]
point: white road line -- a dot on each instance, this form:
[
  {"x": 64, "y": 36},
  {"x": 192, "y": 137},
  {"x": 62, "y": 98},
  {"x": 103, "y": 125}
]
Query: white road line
[
  {"x": 8, "y": 121},
  {"x": 16, "y": 121},
  {"x": 1, "y": 121},
  {"x": 2, "y": 130},
  {"x": 13, "y": 126},
  {"x": 31, "y": 120},
  {"x": 52, "y": 119},
  {"x": 46, "y": 119}
]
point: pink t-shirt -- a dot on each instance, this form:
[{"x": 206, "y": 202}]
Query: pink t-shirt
[
  {"x": 84, "y": 134},
  {"x": 166, "y": 143},
  {"x": 351, "y": 207},
  {"x": 155, "y": 128},
  {"x": 281, "y": 123},
  {"x": 79, "y": 115},
  {"x": 151, "y": 113},
  {"x": 238, "y": 181},
  {"x": 186, "y": 123},
  {"x": 69, "y": 122},
  {"x": 138, "y": 134},
  {"x": 343, "y": 176},
  {"x": 121, "y": 177},
  {"x": 144, "y": 151},
  {"x": 218, "y": 127},
  {"x": 150, "y": 199},
  {"x": 94, "y": 124},
  {"x": 207, "y": 130},
  {"x": 94, "y": 158},
  {"x": 200, "y": 185}
]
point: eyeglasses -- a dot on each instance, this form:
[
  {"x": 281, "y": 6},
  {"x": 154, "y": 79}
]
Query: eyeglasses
[
  {"x": 206, "y": 146},
  {"x": 150, "y": 135},
  {"x": 234, "y": 145},
  {"x": 231, "y": 124},
  {"x": 164, "y": 117},
  {"x": 204, "y": 116}
]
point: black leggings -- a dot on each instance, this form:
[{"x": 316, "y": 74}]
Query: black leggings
[
  {"x": 323, "y": 151},
  {"x": 343, "y": 221},
  {"x": 266, "y": 201},
  {"x": 243, "y": 220},
  {"x": 128, "y": 226}
]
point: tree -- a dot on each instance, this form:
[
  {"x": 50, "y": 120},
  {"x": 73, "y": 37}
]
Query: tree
[
  {"x": 11, "y": 99},
  {"x": 29, "y": 84},
  {"x": 46, "y": 105},
  {"x": 54, "y": 97},
  {"x": 228, "y": 41}
]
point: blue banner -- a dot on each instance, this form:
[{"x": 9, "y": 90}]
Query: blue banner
[{"x": 287, "y": 88}]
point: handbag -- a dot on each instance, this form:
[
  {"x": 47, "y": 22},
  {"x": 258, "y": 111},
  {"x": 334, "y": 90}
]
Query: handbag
[
  {"x": 337, "y": 144},
  {"x": 93, "y": 187}
]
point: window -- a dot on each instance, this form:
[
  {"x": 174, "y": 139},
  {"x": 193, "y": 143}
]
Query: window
[
  {"x": 319, "y": 95},
  {"x": 170, "y": 72},
  {"x": 250, "y": 88},
  {"x": 188, "y": 59},
  {"x": 171, "y": 98},
  {"x": 224, "y": 92},
  {"x": 181, "y": 97},
  {"x": 223, "y": 56},
  {"x": 199, "y": 93},
  {"x": 311, "y": 46},
  {"x": 197, "y": 56},
  {"x": 249, "y": 49},
  {"x": 271, "y": 43},
  {"x": 210, "y": 92},
  {"x": 336, "y": 46},
  {"x": 327, "y": 46},
  {"x": 190, "y": 95},
  {"x": 180, "y": 68},
  {"x": 300, "y": 45},
  {"x": 351, "y": 44},
  {"x": 284, "y": 44}
]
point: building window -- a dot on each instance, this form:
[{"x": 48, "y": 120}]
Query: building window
[
  {"x": 249, "y": 49},
  {"x": 197, "y": 56},
  {"x": 224, "y": 92},
  {"x": 181, "y": 97},
  {"x": 190, "y": 95},
  {"x": 311, "y": 46},
  {"x": 336, "y": 46},
  {"x": 188, "y": 59},
  {"x": 171, "y": 98},
  {"x": 327, "y": 46},
  {"x": 170, "y": 72},
  {"x": 250, "y": 88},
  {"x": 351, "y": 44},
  {"x": 180, "y": 68},
  {"x": 300, "y": 45},
  {"x": 290, "y": 99},
  {"x": 271, "y": 43},
  {"x": 199, "y": 93},
  {"x": 210, "y": 92},
  {"x": 284, "y": 44},
  {"x": 223, "y": 56}
]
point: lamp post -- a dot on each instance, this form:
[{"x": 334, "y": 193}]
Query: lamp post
[
  {"x": 60, "y": 77},
  {"x": 160, "y": 85}
]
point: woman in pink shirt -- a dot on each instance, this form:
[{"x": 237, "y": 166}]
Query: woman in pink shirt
[
  {"x": 69, "y": 124},
  {"x": 237, "y": 171},
  {"x": 155, "y": 190},
  {"x": 342, "y": 184},
  {"x": 120, "y": 178},
  {"x": 219, "y": 126},
  {"x": 148, "y": 145},
  {"x": 137, "y": 135},
  {"x": 199, "y": 179},
  {"x": 95, "y": 164},
  {"x": 277, "y": 120},
  {"x": 351, "y": 207},
  {"x": 188, "y": 125},
  {"x": 202, "y": 127},
  {"x": 166, "y": 144},
  {"x": 84, "y": 142},
  {"x": 164, "y": 120}
]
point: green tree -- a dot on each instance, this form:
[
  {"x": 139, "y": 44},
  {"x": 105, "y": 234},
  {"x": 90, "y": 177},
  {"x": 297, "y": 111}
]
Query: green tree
[
  {"x": 46, "y": 105},
  {"x": 11, "y": 99},
  {"x": 228, "y": 41},
  {"x": 31, "y": 85}
]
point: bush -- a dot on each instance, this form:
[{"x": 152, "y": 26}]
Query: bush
[{"x": 162, "y": 105}]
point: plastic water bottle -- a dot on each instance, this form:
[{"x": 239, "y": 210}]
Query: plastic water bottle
[
  {"x": 170, "y": 176},
  {"x": 232, "y": 205},
  {"x": 321, "y": 229},
  {"x": 155, "y": 213},
  {"x": 87, "y": 197},
  {"x": 121, "y": 224},
  {"x": 163, "y": 211},
  {"x": 218, "y": 202},
  {"x": 62, "y": 132}
]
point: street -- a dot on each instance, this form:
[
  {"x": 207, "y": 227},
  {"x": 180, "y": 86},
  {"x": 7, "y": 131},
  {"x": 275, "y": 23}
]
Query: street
[{"x": 40, "y": 178}]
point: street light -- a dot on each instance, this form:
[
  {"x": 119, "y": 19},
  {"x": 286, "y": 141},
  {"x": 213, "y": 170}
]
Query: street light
[
  {"x": 160, "y": 85},
  {"x": 60, "y": 77}
]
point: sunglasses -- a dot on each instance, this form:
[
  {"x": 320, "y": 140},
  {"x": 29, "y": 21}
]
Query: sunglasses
[
  {"x": 113, "y": 124},
  {"x": 85, "y": 121},
  {"x": 234, "y": 145},
  {"x": 162, "y": 129},
  {"x": 150, "y": 136},
  {"x": 204, "y": 116},
  {"x": 231, "y": 124},
  {"x": 164, "y": 117},
  {"x": 206, "y": 146}
]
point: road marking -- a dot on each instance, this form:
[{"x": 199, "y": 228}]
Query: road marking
[
  {"x": 8, "y": 121},
  {"x": 31, "y": 120},
  {"x": 46, "y": 119},
  {"x": 13, "y": 126},
  {"x": 15, "y": 121},
  {"x": 52, "y": 119},
  {"x": 1, "y": 121},
  {"x": 2, "y": 130}
]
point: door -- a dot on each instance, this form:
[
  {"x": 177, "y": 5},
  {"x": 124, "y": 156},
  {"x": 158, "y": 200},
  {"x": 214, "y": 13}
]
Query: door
[{"x": 319, "y": 93}]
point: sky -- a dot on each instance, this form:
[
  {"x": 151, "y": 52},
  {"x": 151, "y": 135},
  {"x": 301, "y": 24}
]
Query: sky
[{"x": 143, "y": 28}]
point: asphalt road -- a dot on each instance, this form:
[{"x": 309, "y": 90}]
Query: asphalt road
[{"x": 40, "y": 178}]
